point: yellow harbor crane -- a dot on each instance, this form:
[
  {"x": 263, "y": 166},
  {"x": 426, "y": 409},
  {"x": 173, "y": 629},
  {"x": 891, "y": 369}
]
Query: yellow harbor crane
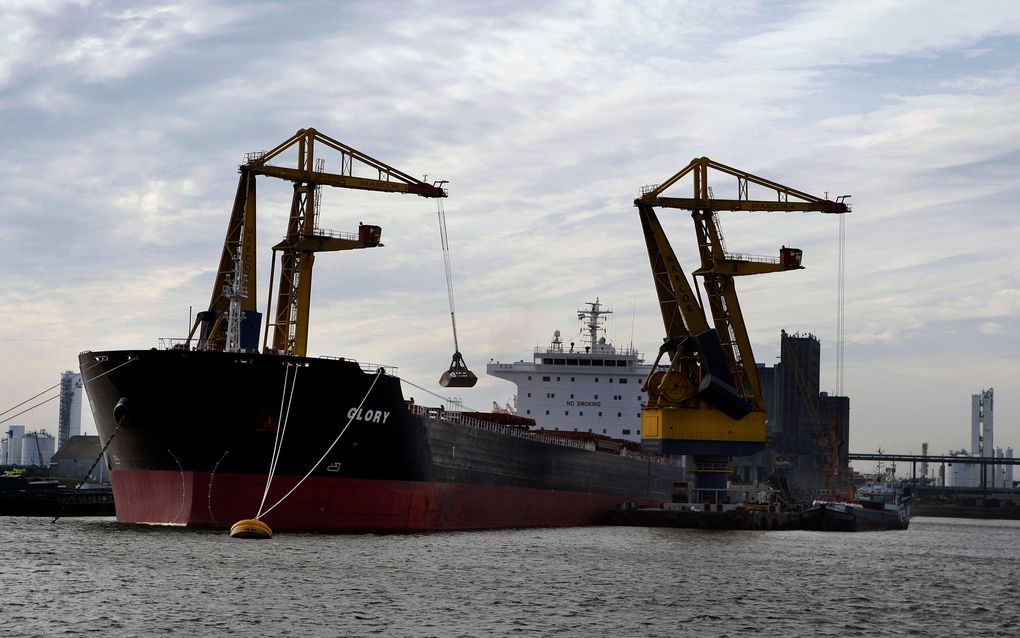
[
  {"x": 232, "y": 322},
  {"x": 705, "y": 399}
]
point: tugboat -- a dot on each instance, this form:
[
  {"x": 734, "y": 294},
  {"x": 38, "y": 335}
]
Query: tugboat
[{"x": 878, "y": 506}]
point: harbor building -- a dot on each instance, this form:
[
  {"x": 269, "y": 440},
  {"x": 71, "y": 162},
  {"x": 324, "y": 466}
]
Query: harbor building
[
  {"x": 77, "y": 456},
  {"x": 69, "y": 423},
  {"x": 982, "y": 444},
  {"x": 21, "y": 448},
  {"x": 810, "y": 429}
]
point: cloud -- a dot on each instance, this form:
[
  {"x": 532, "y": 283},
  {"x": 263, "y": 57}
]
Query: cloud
[{"x": 124, "y": 124}]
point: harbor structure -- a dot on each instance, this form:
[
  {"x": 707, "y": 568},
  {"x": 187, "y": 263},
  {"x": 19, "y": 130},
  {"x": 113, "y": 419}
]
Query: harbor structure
[
  {"x": 22, "y": 448},
  {"x": 982, "y": 444},
  {"x": 77, "y": 456},
  {"x": 809, "y": 428},
  {"x": 69, "y": 416}
]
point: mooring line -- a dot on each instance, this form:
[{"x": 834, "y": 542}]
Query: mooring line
[
  {"x": 89, "y": 473},
  {"x": 281, "y": 431},
  {"x": 99, "y": 376},
  {"x": 330, "y": 449}
]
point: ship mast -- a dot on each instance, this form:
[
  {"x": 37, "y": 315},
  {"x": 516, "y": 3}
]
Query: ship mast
[
  {"x": 234, "y": 290},
  {"x": 593, "y": 319}
]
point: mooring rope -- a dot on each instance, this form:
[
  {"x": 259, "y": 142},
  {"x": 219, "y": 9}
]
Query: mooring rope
[
  {"x": 288, "y": 399},
  {"x": 89, "y": 473},
  {"x": 326, "y": 453},
  {"x": 55, "y": 396},
  {"x": 98, "y": 376}
]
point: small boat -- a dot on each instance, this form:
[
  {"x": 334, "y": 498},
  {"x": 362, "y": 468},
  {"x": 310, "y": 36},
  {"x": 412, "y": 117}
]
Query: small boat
[
  {"x": 878, "y": 507},
  {"x": 24, "y": 495}
]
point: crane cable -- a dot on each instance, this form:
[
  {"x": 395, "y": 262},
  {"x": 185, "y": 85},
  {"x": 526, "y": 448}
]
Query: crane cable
[
  {"x": 840, "y": 304},
  {"x": 441, "y": 213}
]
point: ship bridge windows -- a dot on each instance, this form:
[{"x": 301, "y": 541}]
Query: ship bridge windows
[
  {"x": 547, "y": 361},
  {"x": 585, "y": 362},
  {"x": 546, "y": 378},
  {"x": 621, "y": 363},
  {"x": 571, "y": 362},
  {"x": 623, "y": 381},
  {"x": 560, "y": 362},
  {"x": 597, "y": 362}
]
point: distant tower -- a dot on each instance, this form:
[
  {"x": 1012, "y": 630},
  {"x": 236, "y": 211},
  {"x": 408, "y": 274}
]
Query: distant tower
[
  {"x": 69, "y": 423},
  {"x": 982, "y": 440},
  {"x": 924, "y": 463},
  {"x": 1009, "y": 469}
]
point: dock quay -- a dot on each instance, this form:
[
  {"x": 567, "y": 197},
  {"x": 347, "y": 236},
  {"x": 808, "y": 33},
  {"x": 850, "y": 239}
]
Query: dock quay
[{"x": 708, "y": 516}]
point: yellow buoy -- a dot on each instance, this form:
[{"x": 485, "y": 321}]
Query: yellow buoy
[{"x": 250, "y": 528}]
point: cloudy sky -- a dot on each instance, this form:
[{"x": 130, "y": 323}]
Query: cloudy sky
[{"x": 123, "y": 125}]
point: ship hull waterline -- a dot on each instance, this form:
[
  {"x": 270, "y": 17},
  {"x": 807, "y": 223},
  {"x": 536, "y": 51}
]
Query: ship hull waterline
[{"x": 194, "y": 436}]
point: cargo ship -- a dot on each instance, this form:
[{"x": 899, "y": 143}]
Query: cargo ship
[
  {"x": 194, "y": 434},
  {"x": 212, "y": 429}
]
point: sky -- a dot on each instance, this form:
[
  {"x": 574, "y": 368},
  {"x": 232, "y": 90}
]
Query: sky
[{"x": 123, "y": 124}]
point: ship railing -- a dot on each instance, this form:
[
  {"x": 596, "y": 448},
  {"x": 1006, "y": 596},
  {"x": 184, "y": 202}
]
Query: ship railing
[
  {"x": 371, "y": 368},
  {"x": 757, "y": 259},
  {"x": 627, "y": 351},
  {"x": 655, "y": 458},
  {"x": 336, "y": 234},
  {"x": 173, "y": 343},
  {"x": 508, "y": 430}
]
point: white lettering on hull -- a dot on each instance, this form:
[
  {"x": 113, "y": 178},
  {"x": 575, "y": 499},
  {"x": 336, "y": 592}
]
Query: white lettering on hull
[{"x": 368, "y": 416}]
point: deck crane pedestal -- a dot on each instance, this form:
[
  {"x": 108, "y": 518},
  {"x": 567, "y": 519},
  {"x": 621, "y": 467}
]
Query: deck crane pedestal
[
  {"x": 705, "y": 400},
  {"x": 232, "y": 322}
]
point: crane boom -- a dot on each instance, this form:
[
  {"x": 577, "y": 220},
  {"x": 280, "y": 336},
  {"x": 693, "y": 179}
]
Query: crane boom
[
  {"x": 708, "y": 401},
  {"x": 232, "y": 319}
]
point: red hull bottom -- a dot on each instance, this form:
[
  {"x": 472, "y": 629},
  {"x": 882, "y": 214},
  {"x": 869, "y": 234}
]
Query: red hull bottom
[{"x": 350, "y": 505}]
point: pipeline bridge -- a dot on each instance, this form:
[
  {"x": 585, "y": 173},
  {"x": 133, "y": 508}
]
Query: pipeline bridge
[{"x": 937, "y": 459}]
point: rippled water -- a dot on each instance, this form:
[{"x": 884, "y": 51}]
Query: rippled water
[{"x": 945, "y": 577}]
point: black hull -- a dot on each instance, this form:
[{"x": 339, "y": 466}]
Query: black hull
[
  {"x": 206, "y": 420},
  {"x": 837, "y": 517}
]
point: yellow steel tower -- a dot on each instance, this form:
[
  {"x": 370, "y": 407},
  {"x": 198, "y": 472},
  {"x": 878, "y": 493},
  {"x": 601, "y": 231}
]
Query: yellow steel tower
[
  {"x": 706, "y": 400},
  {"x": 232, "y": 321}
]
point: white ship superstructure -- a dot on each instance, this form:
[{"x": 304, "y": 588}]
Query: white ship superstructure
[{"x": 594, "y": 387}]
